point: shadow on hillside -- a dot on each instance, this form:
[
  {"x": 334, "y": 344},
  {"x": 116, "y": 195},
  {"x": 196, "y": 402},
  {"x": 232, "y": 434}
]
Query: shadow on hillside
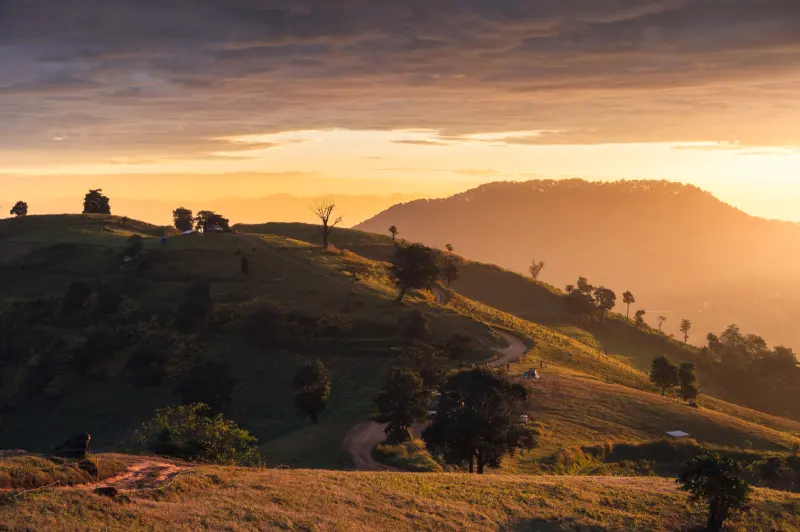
[{"x": 552, "y": 525}]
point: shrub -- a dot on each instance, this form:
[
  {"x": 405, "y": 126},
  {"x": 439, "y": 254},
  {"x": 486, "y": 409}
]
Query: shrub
[
  {"x": 190, "y": 432},
  {"x": 410, "y": 456}
]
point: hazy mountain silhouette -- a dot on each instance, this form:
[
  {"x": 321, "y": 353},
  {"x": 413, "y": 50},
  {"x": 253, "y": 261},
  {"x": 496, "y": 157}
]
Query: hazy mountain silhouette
[{"x": 682, "y": 252}]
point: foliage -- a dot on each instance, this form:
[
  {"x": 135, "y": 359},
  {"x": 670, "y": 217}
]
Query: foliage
[
  {"x": 628, "y": 299},
  {"x": 324, "y": 211},
  {"x": 686, "y": 326},
  {"x": 426, "y": 362},
  {"x": 536, "y": 269},
  {"x": 718, "y": 482},
  {"x": 408, "y": 456},
  {"x": 206, "y": 221},
  {"x": 664, "y": 374},
  {"x": 478, "y": 420},
  {"x": 450, "y": 271},
  {"x": 401, "y": 403},
  {"x": 183, "y": 219},
  {"x": 393, "y": 230},
  {"x": 459, "y": 348},
  {"x": 312, "y": 384},
  {"x": 688, "y": 381},
  {"x": 414, "y": 266},
  {"x": 96, "y": 203},
  {"x": 20, "y": 208},
  {"x": 191, "y": 432},
  {"x": 605, "y": 300},
  {"x": 640, "y": 314},
  {"x": 207, "y": 382}
]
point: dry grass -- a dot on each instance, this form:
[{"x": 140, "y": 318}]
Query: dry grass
[
  {"x": 30, "y": 472},
  {"x": 237, "y": 500}
]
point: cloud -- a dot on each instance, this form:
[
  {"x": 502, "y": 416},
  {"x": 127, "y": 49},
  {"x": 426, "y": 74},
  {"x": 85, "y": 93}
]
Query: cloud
[
  {"x": 421, "y": 142},
  {"x": 147, "y": 78}
]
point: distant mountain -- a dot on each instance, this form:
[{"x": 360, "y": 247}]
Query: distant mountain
[{"x": 680, "y": 250}]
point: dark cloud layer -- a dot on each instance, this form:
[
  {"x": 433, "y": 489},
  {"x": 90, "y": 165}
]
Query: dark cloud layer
[{"x": 162, "y": 77}]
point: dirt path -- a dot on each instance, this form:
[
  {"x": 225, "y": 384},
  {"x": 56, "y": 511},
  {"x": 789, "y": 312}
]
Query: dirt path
[
  {"x": 146, "y": 474},
  {"x": 362, "y": 438}
]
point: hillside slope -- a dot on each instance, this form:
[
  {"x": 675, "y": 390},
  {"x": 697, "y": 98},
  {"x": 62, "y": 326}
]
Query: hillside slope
[
  {"x": 238, "y": 499},
  {"x": 680, "y": 250}
]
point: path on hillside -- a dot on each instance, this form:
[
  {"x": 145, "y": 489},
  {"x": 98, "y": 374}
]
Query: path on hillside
[
  {"x": 364, "y": 437},
  {"x": 144, "y": 474}
]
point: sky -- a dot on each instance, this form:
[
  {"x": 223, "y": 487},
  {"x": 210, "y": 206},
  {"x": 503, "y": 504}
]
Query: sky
[{"x": 204, "y": 99}]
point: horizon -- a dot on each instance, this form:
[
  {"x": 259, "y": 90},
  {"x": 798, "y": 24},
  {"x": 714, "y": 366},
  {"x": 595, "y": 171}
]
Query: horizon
[{"x": 323, "y": 98}]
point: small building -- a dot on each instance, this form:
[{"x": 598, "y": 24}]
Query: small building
[{"x": 678, "y": 435}]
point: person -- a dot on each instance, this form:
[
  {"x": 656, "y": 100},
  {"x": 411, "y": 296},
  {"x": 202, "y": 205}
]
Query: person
[{"x": 163, "y": 239}]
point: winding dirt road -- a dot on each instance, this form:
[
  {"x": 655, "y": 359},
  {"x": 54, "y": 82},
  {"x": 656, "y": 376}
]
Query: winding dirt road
[{"x": 361, "y": 439}]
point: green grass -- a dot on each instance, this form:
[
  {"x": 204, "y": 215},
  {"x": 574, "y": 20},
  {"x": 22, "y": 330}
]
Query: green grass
[
  {"x": 408, "y": 456},
  {"x": 213, "y": 498}
]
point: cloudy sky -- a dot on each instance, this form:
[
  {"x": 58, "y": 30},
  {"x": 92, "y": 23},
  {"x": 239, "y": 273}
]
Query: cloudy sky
[{"x": 159, "y": 98}]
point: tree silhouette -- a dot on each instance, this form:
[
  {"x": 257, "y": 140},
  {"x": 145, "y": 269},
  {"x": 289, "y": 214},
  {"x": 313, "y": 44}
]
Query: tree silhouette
[
  {"x": 401, "y": 403},
  {"x": 686, "y": 326},
  {"x": 206, "y": 221},
  {"x": 450, "y": 270},
  {"x": 661, "y": 320},
  {"x": 536, "y": 269},
  {"x": 183, "y": 219},
  {"x": 640, "y": 318},
  {"x": 427, "y": 362},
  {"x": 449, "y": 248},
  {"x": 394, "y": 231},
  {"x": 606, "y": 300},
  {"x": 688, "y": 381},
  {"x": 324, "y": 211},
  {"x": 628, "y": 299},
  {"x": 717, "y": 481},
  {"x": 96, "y": 203},
  {"x": 312, "y": 382},
  {"x": 478, "y": 420},
  {"x": 663, "y": 374},
  {"x": 413, "y": 266},
  {"x": 20, "y": 208},
  {"x": 732, "y": 336}
]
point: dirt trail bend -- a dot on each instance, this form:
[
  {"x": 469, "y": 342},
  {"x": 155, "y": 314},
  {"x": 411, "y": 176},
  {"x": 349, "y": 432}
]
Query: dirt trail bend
[{"x": 146, "y": 474}]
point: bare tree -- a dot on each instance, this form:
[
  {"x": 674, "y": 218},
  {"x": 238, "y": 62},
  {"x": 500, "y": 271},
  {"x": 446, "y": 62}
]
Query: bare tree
[
  {"x": 536, "y": 269},
  {"x": 324, "y": 211},
  {"x": 661, "y": 320}
]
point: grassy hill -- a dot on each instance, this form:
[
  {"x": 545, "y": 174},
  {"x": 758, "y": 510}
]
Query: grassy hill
[{"x": 219, "y": 498}]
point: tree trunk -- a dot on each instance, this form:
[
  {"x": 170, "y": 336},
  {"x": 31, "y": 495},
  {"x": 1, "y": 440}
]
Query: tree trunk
[
  {"x": 628, "y": 313},
  {"x": 716, "y": 517},
  {"x": 480, "y": 465},
  {"x": 325, "y": 233},
  {"x": 402, "y": 294},
  {"x": 471, "y": 464}
]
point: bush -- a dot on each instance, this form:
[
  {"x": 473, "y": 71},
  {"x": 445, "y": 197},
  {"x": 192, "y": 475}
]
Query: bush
[
  {"x": 410, "y": 456},
  {"x": 189, "y": 432}
]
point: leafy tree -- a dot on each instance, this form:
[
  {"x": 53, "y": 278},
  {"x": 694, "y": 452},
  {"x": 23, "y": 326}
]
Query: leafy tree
[
  {"x": 190, "y": 432},
  {"x": 640, "y": 318},
  {"x": 401, "y": 403},
  {"x": 686, "y": 326},
  {"x": 426, "y": 362},
  {"x": 312, "y": 382},
  {"x": 450, "y": 270},
  {"x": 732, "y": 336},
  {"x": 20, "y": 208},
  {"x": 478, "y": 420},
  {"x": 394, "y": 231},
  {"x": 688, "y": 381},
  {"x": 536, "y": 269},
  {"x": 413, "y": 266},
  {"x": 208, "y": 382},
  {"x": 606, "y": 300},
  {"x": 96, "y": 203},
  {"x": 324, "y": 211},
  {"x": 183, "y": 219},
  {"x": 717, "y": 481},
  {"x": 210, "y": 221},
  {"x": 629, "y": 299},
  {"x": 663, "y": 374},
  {"x": 449, "y": 248},
  {"x": 661, "y": 320},
  {"x": 459, "y": 348},
  {"x": 584, "y": 287}
]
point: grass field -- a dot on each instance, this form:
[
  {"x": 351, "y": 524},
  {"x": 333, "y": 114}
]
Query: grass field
[{"x": 213, "y": 498}]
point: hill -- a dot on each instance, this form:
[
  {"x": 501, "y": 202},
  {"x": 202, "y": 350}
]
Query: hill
[
  {"x": 682, "y": 252},
  {"x": 138, "y": 338},
  {"x": 239, "y": 499}
]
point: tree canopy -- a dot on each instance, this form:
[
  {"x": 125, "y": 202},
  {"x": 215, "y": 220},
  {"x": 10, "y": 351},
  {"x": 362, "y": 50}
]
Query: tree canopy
[
  {"x": 393, "y": 230},
  {"x": 96, "y": 203},
  {"x": 20, "y": 208},
  {"x": 686, "y": 327},
  {"x": 663, "y": 374},
  {"x": 401, "y": 403},
  {"x": 688, "y": 381},
  {"x": 450, "y": 271},
  {"x": 183, "y": 219},
  {"x": 536, "y": 269},
  {"x": 312, "y": 382},
  {"x": 628, "y": 299},
  {"x": 206, "y": 221},
  {"x": 414, "y": 266},
  {"x": 478, "y": 420}
]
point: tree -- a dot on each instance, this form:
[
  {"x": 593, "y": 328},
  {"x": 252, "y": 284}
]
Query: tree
[
  {"x": 713, "y": 341},
  {"x": 458, "y": 348},
  {"x": 324, "y": 211},
  {"x": 663, "y": 374},
  {"x": 606, "y": 300},
  {"x": 640, "y": 318},
  {"x": 536, "y": 269},
  {"x": 661, "y": 320},
  {"x": 312, "y": 382},
  {"x": 394, "y": 231},
  {"x": 401, "y": 403},
  {"x": 449, "y": 248},
  {"x": 20, "y": 208},
  {"x": 717, "y": 481},
  {"x": 450, "y": 270},
  {"x": 426, "y": 362},
  {"x": 206, "y": 221},
  {"x": 478, "y": 420},
  {"x": 183, "y": 219},
  {"x": 686, "y": 326},
  {"x": 688, "y": 381},
  {"x": 190, "y": 432},
  {"x": 413, "y": 266},
  {"x": 628, "y": 299},
  {"x": 96, "y": 203},
  {"x": 584, "y": 287},
  {"x": 732, "y": 336}
]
